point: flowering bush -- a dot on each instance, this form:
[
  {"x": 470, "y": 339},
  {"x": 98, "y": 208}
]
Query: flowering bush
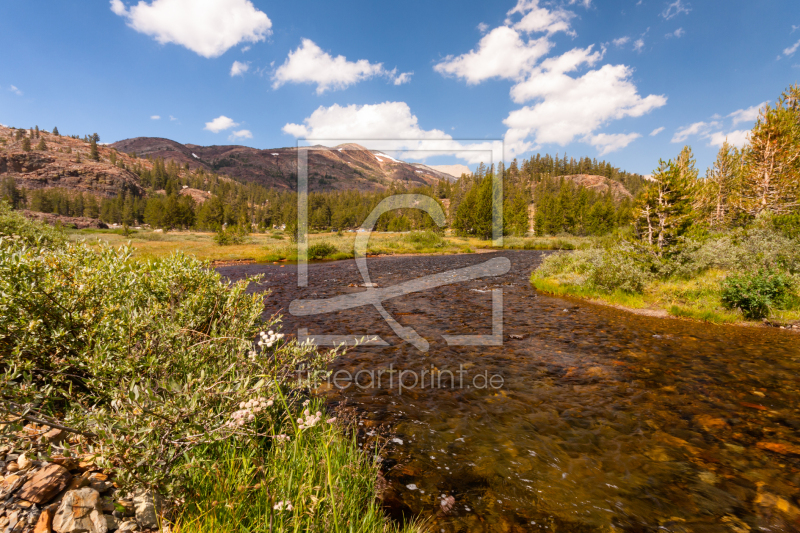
[{"x": 143, "y": 361}]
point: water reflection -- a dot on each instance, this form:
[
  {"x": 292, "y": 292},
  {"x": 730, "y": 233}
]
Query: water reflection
[{"x": 606, "y": 421}]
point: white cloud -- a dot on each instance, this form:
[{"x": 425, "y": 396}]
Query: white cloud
[
  {"x": 537, "y": 19},
  {"x": 310, "y": 64},
  {"x": 675, "y": 8},
  {"x": 698, "y": 128},
  {"x": 155, "y": 117},
  {"x": 656, "y": 131},
  {"x": 220, "y": 123},
  {"x": 500, "y": 54},
  {"x": 747, "y": 115},
  {"x": 574, "y": 107},
  {"x": 241, "y": 134},
  {"x": 608, "y": 143},
  {"x": 638, "y": 45},
  {"x": 13, "y": 89},
  {"x": 622, "y": 41},
  {"x": 483, "y": 27},
  {"x": 677, "y": 33},
  {"x": 386, "y": 126},
  {"x": 404, "y": 77},
  {"x": 563, "y": 106},
  {"x": 585, "y": 3},
  {"x": 172, "y": 118},
  {"x": 788, "y": 52},
  {"x": 737, "y": 138},
  {"x": 206, "y": 27},
  {"x": 238, "y": 68}
]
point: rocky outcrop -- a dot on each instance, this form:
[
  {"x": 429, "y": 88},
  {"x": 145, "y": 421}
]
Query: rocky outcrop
[
  {"x": 599, "y": 184},
  {"x": 65, "y": 163}
]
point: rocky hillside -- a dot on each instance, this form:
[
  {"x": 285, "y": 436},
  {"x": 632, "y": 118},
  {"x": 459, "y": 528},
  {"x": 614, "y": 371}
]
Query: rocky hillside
[
  {"x": 347, "y": 166},
  {"x": 599, "y": 184},
  {"x": 65, "y": 163}
]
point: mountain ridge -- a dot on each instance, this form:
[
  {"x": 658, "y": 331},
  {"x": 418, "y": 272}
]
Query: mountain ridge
[{"x": 341, "y": 167}]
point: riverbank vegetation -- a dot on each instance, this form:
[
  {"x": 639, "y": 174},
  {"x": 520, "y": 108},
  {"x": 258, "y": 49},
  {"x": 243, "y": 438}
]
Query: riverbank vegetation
[
  {"x": 151, "y": 369},
  {"x": 724, "y": 248}
]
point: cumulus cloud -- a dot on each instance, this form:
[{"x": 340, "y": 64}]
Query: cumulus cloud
[
  {"x": 622, "y": 41},
  {"x": 567, "y": 96},
  {"x": 607, "y": 143},
  {"x": 238, "y": 68},
  {"x": 241, "y": 134},
  {"x": 310, "y": 64},
  {"x": 207, "y": 27},
  {"x": 221, "y": 123},
  {"x": 502, "y": 53},
  {"x": 675, "y": 8},
  {"x": 569, "y": 107},
  {"x": 387, "y": 126},
  {"x": 747, "y": 115},
  {"x": 656, "y": 131},
  {"x": 638, "y": 45},
  {"x": 13, "y": 89},
  {"x": 483, "y": 27},
  {"x": 155, "y": 117},
  {"x": 537, "y": 19}
]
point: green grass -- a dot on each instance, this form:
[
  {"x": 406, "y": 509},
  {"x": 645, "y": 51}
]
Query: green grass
[
  {"x": 330, "y": 483},
  {"x": 276, "y": 246},
  {"x": 699, "y": 298}
]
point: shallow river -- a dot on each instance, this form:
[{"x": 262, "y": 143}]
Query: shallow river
[{"x": 602, "y": 420}]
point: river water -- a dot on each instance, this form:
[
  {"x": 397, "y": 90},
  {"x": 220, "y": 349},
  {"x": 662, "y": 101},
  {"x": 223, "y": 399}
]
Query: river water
[{"x": 602, "y": 421}]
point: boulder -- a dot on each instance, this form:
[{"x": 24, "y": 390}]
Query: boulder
[
  {"x": 147, "y": 506},
  {"x": 80, "y": 512},
  {"x": 128, "y": 527},
  {"x": 45, "y": 484}
]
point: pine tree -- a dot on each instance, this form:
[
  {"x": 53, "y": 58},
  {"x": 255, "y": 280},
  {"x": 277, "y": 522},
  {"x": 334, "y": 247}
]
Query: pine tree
[
  {"x": 36, "y": 130},
  {"x": 663, "y": 213},
  {"x": 55, "y": 132},
  {"x": 26, "y": 144},
  {"x": 41, "y": 146},
  {"x": 719, "y": 193},
  {"x": 93, "y": 154},
  {"x": 772, "y": 159}
]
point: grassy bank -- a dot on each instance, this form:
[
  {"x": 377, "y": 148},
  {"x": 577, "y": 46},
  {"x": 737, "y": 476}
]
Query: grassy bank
[
  {"x": 152, "y": 369},
  {"x": 276, "y": 246},
  {"x": 727, "y": 278}
]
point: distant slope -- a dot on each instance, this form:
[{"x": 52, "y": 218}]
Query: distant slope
[
  {"x": 343, "y": 167},
  {"x": 58, "y": 167},
  {"x": 599, "y": 184},
  {"x": 452, "y": 170}
]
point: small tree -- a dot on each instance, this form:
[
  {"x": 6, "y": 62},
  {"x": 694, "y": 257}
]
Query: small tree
[
  {"x": 93, "y": 154},
  {"x": 55, "y": 132},
  {"x": 41, "y": 146},
  {"x": 78, "y": 157},
  {"x": 36, "y": 130},
  {"x": 26, "y": 144}
]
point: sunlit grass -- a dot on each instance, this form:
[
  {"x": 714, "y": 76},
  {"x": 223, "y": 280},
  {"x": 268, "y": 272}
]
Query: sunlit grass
[
  {"x": 324, "y": 481},
  {"x": 275, "y": 246},
  {"x": 699, "y": 298}
]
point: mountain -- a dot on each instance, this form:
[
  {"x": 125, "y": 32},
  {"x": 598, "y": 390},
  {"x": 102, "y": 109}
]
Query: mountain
[
  {"x": 452, "y": 170},
  {"x": 599, "y": 184},
  {"x": 342, "y": 167},
  {"x": 58, "y": 166}
]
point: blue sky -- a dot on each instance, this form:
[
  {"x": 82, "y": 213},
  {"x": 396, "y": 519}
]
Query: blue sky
[{"x": 588, "y": 77}]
